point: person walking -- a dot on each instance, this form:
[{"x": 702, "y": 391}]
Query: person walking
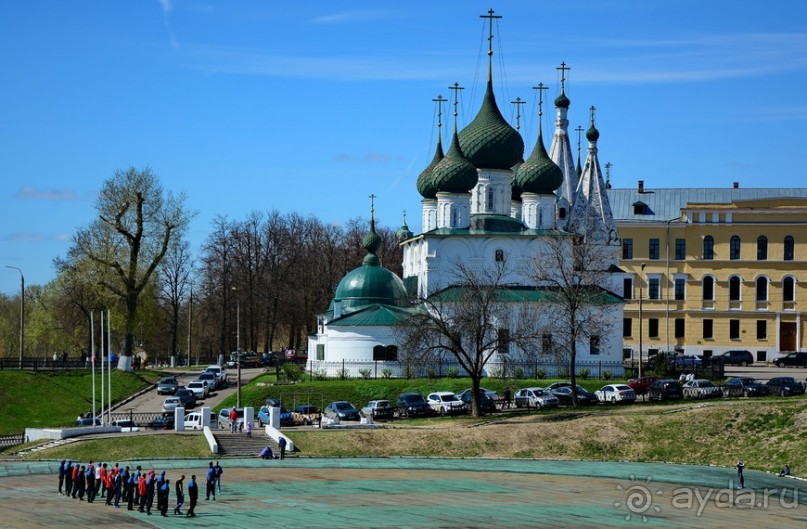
[
  {"x": 150, "y": 483},
  {"x": 740, "y": 478},
  {"x": 233, "y": 419},
  {"x": 282, "y": 444},
  {"x": 82, "y": 483},
  {"x": 76, "y": 471},
  {"x": 165, "y": 490},
  {"x": 141, "y": 492},
  {"x": 90, "y": 483},
  {"x": 193, "y": 495},
  {"x": 248, "y": 429},
  {"x": 68, "y": 478},
  {"x": 62, "y": 468},
  {"x": 210, "y": 483},
  {"x": 508, "y": 397},
  {"x": 219, "y": 472},
  {"x": 178, "y": 489}
]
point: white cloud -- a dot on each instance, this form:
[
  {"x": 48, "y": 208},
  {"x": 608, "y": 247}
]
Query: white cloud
[
  {"x": 347, "y": 17},
  {"x": 32, "y": 193}
]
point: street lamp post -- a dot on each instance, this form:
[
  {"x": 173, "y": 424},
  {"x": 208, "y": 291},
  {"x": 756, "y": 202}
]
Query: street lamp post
[
  {"x": 238, "y": 347},
  {"x": 22, "y": 310},
  {"x": 641, "y": 295}
]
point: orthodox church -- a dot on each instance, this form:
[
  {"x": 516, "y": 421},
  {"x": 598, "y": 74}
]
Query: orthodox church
[{"x": 482, "y": 204}]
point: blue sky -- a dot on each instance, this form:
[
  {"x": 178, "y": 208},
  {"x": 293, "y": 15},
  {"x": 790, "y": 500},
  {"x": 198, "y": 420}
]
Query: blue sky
[{"x": 312, "y": 106}]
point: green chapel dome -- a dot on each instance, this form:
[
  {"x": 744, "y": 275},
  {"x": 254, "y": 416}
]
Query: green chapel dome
[
  {"x": 539, "y": 174},
  {"x": 515, "y": 188},
  {"x": 425, "y": 183},
  {"x": 489, "y": 142},
  {"x": 562, "y": 101},
  {"x": 454, "y": 173}
]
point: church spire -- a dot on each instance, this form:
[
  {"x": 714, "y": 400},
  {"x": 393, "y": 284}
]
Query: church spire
[
  {"x": 561, "y": 149},
  {"x": 425, "y": 184},
  {"x": 372, "y": 241}
]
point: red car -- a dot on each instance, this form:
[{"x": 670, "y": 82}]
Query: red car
[{"x": 640, "y": 385}]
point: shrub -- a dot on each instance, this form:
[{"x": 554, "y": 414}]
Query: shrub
[
  {"x": 606, "y": 375},
  {"x": 343, "y": 374},
  {"x": 518, "y": 373},
  {"x": 540, "y": 374},
  {"x": 386, "y": 372},
  {"x": 365, "y": 373},
  {"x": 292, "y": 372},
  {"x": 584, "y": 373},
  {"x": 431, "y": 373},
  {"x": 563, "y": 372},
  {"x": 321, "y": 375},
  {"x": 452, "y": 372}
]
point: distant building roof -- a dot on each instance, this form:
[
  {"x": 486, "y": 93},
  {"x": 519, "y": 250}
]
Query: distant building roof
[{"x": 664, "y": 204}]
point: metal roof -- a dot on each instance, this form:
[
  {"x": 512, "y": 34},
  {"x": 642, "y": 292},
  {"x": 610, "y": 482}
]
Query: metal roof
[{"x": 666, "y": 203}]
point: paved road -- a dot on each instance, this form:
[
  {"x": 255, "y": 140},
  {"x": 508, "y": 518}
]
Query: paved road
[{"x": 152, "y": 402}]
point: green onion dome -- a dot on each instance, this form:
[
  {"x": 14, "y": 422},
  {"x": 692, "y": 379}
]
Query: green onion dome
[
  {"x": 516, "y": 189},
  {"x": 489, "y": 142},
  {"x": 562, "y": 101},
  {"x": 370, "y": 283},
  {"x": 425, "y": 183},
  {"x": 454, "y": 173},
  {"x": 592, "y": 134},
  {"x": 539, "y": 174},
  {"x": 403, "y": 232}
]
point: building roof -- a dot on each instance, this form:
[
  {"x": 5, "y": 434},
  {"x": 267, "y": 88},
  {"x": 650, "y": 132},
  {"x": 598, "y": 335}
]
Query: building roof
[
  {"x": 666, "y": 203},
  {"x": 524, "y": 294},
  {"x": 374, "y": 315}
]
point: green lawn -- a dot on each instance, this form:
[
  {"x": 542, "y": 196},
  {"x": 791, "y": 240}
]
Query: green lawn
[{"x": 43, "y": 399}]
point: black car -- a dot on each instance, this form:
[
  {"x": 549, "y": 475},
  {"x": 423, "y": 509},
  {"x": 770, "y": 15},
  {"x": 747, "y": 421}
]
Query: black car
[
  {"x": 342, "y": 410},
  {"x": 665, "y": 389},
  {"x": 735, "y": 358},
  {"x": 792, "y": 359},
  {"x": 187, "y": 396},
  {"x": 744, "y": 387},
  {"x": 164, "y": 422},
  {"x": 486, "y": 404},
  {"x": 413, "y": 405},
  {"x": 584, "y": 398},
  {"x": 785, "y": 386}
]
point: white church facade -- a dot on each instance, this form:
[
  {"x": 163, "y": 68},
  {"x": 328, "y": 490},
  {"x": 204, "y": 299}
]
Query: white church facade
[{"x": 484, "y": 205}]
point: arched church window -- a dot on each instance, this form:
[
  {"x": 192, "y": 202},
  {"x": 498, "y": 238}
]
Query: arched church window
[
  {"x": 490, "y": 196},
  {"x": 562, "y": 213},
  {"x": 499, "y": 256}
]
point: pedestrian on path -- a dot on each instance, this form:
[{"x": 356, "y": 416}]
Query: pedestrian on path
[
  {"x": 62, "y": 468},
  {"x": 282, "y": 444},
  {"x": 193, "y": 495},
  {"x": 178, "y": 488},
  {"x": 210, "y": 483},
  {"x": 219, "y": 472},
  {"x": 165, "y": 491},
  {"x": 740, "y": 478}
]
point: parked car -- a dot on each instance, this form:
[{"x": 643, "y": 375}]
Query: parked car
[
  {"x": 413, "y": 405},
  {"x": 195, "y": 420},
  {"x": 126, "y": 425},
  {"x": 584, "y": 397},
  {"x": 486, "y": 403},
  {"x": 171, "y": 403},
  {"x": 445, "y": 403},
  {"x": 306, "y": 415},
  {"x": 224, "y": 420},
  {"x": 220, "y": 372},
  {"x": 211, "y": 379},
  {"x": 163, "y": 422},
  {"x": 640, "y": 385},
  {"x": 342, "y": 410},
  {"x": 535, "y": 398},
  {"x": 614, "y": 393},
  {"x": 686, "y": 362},
  {"x": 187, "y": 396},
  {"x": 665, "y": 389},
  {"x": 700, "y": 388},
  {"x": 744, "y": 387},
  {"x": 88, "y": 421},
  {"x": 792, "y": 359},
  {"x": 167, "y": 386},
  {"x": 490, "y": 393},
  {"x": 266, "y": 359},
  {"x": 199, "y": 388},
  {"x": 735, "y": 358},
  {"x": 378, "y": 409},
  {"x": 785, "y": 386},
  {"x": 286, "y": 417}
]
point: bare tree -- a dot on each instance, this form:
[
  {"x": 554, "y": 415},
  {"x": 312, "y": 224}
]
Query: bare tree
[
  {"x": 471, "y": 320},
  {"x": 575, "y": 276},
  {"x": 175, "y": 282},
  {"x": 137, "y": 222}
]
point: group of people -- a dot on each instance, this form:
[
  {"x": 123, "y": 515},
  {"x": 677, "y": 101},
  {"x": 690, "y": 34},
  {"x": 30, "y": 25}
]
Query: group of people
[
  {"x": 267, "y": 453},
  {"x": 137, "y": 488}
]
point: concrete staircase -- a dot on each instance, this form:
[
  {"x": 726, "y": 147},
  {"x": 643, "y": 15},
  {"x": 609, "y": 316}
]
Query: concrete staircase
[{"x": 239, "y": 445}]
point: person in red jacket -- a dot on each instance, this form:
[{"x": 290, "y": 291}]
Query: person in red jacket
[
  {"x": 76, "y": 472},
  {"x": 141, "y": 491},
  {"x": 108, "y": 485},
  {"x": 102, "y": 481}
]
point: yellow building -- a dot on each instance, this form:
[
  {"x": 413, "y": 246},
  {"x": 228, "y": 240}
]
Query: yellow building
[{"x": 711, "y": 270}]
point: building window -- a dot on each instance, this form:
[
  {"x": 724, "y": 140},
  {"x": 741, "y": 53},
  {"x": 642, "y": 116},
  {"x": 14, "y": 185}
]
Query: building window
[
  {"x": 679, "y": 327},
  {"x": 762, "y": 289},
  {"x": 320, "y": 351},
  {"x": 490, "y": 199},
  {"x": 627, "y": 248},
  {"x": 499, "y": 256},
  {"x": 653, "y": 287},
  {"x": 790, "y": 248},
  {"x": 762, "y": 248},
  {"x": 762, "y": 330},
  {"x": 594, "y": 345},
  {"x": 562, "y": 213},
  {"x": 734, "y": 288},
  {"x": 652, "y": 327},
  {"x": 546, "y": 344},
  {"x": 708, "y": 288},
  {"x": 654, "y": 249},
  {"x": 680, "y": 288},
  {"x": 627, "y": 327},
  {"x": 708, "y": 247},
  {"x": 627, "y": 288},
  {"x": 734, "y": 329},
  {"x": 680, "y": 249},
  {"x": 734, "y": 247},
  {"x": 504, "y": 341},
  {"x": 708, "y": 329},
  {"x": 788, "y": 289}
]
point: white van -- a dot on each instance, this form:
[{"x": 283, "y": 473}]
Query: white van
[{"x": 193, "y": 420}]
